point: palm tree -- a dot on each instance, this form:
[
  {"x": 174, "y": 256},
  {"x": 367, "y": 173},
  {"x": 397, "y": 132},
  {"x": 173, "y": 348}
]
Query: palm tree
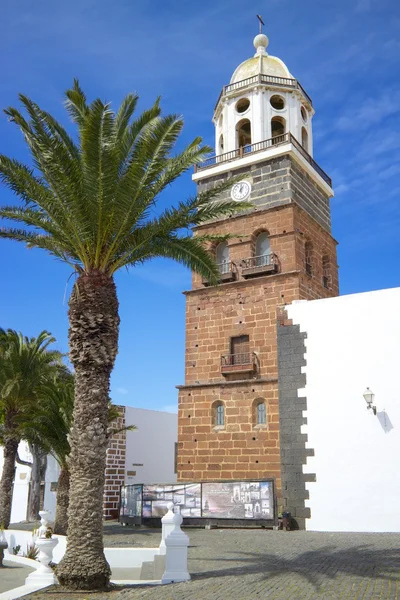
[
  {"x": 48, "y": 427},
  {"x": 25, "y": 364},
  {"x": 90, "y": 202}
]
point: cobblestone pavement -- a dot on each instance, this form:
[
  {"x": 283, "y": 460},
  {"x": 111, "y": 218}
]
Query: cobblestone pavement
[{"x": 274, "y": 565}]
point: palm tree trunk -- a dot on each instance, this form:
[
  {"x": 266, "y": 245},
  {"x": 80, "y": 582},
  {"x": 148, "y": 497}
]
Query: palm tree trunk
[
  {"x": 38, "y": 474},
  {"x": 93, "y": 339},
  {"x": 61, "y": 521},
  {"x": 10, "y": 449}
]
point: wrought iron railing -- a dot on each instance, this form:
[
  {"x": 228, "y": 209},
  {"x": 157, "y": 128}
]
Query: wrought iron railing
[
  {"x": 286, "y": 138},
  {"x": 240, "y": 359},
  {"x": 225, "y": 267},
  {"x": 269, "y": 80},
  {"x": 265, "y": 260}
]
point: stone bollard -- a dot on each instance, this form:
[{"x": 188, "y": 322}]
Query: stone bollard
[
  {"x": 167, "y": 525},
  {"x": 176, "y": 544}
]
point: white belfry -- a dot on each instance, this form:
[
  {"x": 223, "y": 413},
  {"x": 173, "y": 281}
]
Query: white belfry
[{"x": 262, "y": 101}]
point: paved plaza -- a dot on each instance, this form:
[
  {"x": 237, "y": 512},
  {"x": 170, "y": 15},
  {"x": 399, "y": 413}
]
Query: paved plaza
[{"x": 276, "y": 565}]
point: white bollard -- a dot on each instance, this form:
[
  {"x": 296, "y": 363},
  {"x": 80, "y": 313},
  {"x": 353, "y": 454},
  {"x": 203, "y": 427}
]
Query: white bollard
[
  {"x": 44, "y": 575},
  {"x": 176, "y": 544},
  {"x": 44, "y": 541},
  {"x": 167, "y": 524}
]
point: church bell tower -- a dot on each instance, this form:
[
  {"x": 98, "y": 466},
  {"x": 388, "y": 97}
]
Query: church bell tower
[{"x": 281, "y": 250}]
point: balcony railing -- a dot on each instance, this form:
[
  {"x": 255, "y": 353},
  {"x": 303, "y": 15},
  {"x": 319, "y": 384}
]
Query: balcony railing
[
  {"x": 227, "y": 272},
  {"x": 279, "y": 140},
  {"x": 259, "y": 265},
  {"x": 244, "y": 362},
  {"x": 268, "y": 80}
]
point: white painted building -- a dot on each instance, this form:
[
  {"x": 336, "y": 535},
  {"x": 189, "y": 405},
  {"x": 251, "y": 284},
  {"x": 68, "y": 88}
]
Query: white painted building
[
  {"x": 352, "y": 343},
  {"x": 149, "y": 458}
]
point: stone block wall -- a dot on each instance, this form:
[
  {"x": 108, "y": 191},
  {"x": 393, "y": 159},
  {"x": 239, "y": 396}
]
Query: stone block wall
[
  {"x": 115, "y": 468},
  {"x": 278, "y": 182},
  {"x": 291, "y": 359}
]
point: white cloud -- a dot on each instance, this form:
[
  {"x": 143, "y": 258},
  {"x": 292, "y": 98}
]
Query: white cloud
[
  {"x": 370, "y": 112},
  {"x": 122, "y": 390}
]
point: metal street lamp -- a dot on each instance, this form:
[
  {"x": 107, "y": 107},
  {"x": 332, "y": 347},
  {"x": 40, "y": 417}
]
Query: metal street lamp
[{"x": 369, "y": 399}]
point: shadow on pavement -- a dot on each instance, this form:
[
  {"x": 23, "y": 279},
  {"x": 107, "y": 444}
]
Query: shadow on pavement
[{"x": 314, "y": 566}]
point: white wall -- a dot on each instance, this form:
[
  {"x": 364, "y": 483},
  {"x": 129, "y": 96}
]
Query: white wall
[
  {"x": 152, "y": 446},
  {"x": 21, "y": 485},
  {"x": 352, "y": 343}
]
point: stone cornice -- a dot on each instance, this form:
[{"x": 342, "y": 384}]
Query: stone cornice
[{"x": 228, "y": 383}]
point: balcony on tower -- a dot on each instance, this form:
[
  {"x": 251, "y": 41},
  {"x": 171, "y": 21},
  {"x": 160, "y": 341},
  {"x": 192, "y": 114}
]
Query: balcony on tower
[
  {"x": 227, "y": 273},
  {"x": 240, "y": 359},
  {"x": 259, "y": 265},
  {"x": 244, "y": 362}
]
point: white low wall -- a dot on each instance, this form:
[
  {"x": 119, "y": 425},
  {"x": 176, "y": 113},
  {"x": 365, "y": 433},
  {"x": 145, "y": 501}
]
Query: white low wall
[
  {"x": 116, "y": 557},
  {"x": 352, "y": 343}
]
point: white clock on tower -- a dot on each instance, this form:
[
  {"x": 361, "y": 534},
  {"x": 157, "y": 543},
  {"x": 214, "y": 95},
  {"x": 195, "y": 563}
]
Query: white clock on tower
[{"x": 241, "y": 190}]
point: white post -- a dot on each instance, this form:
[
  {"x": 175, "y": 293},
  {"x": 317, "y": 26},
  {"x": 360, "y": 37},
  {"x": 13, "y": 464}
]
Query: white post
[
  {"x": 176, "y": 543},
  {"x": 167, "y": 523},
  {"x": 44, "y": 575}
]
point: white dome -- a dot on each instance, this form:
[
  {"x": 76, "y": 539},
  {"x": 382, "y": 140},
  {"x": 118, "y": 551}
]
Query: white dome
[{"x": 261, "y": 63}]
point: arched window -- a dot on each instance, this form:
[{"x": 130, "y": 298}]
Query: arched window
[
  {"x": 278, "y": 129},
  {"x": 221, "y": 143},
  {"x": 243, "y": 133},
  {"x": 326, "y": 271},
  {"x": 222, "y": 257},
  {"x": 261, "y": 413},
  {"x": 219, "y": 414},
  {"x": 308, "y": 250},
  {"x": 263, "y": 250},
  {"x": 304, "y": 138}
]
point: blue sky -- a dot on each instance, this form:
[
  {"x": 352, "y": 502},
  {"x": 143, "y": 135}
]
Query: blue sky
[{"x": 344, "y": 53}]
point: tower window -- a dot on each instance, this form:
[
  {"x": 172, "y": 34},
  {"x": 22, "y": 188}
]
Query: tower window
[
  {"x": 326, "y": 271},
  {"x": 308, "y": 249},
  {"x": 304, "y": 138},
  {"x": 303, "y": 114},
  {"x": 242, "y": 105},
  {"x": 221, "y": 143},
  {"x": 222, "y": 257},
  {"x": 219, "y": 414},
  {"x": 261, "y": 413},
  {"x": 243, "y": 130},
  {"x": 262, "y": 250},
  {"x": 240, "y": 350},
  {"x": 278, "y": 128},
  {"x": 277, "y": 102}
]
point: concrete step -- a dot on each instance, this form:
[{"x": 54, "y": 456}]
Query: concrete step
[
  {"x": 159, "y": 566},
  {"x": 147, "y": 571},
  {"x": 125, "y": 574}
]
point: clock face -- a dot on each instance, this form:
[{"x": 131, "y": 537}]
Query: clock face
[{"x": 241, "y": 190}]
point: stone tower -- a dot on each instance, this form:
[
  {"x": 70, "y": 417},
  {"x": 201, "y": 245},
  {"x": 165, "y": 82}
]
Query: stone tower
[{"x": 281, "y": 250}]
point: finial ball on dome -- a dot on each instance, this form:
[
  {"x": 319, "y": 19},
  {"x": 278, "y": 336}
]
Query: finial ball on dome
[{"x": 260, "y": 41}]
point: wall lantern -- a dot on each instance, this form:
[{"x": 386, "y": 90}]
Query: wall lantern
[{"x": 369, "y": 399}]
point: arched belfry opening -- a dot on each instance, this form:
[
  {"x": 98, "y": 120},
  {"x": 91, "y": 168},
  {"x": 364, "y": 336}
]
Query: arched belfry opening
[
  {"x": 278, "y": 129},
  {"x": 304, "y": 138},
  {"x": 221, "y": 144},
  {"x": 243, "y": 133}
]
